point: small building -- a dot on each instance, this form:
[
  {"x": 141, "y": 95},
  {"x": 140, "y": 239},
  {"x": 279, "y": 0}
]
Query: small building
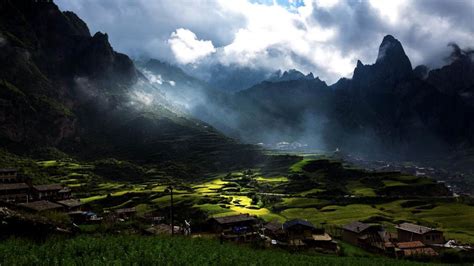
[
  {"x": 71, "y": 204},
  {"x": 8, "y": 175},
  {"x": 274, "y": 231},
  {"x": 125, "y": 213},
  {"x": 234, "y": 223},
  {"x": 49, "y": 192},
  {"x": 242, "y": 227},
  {"x": 408, "y": 232},
  {"x": 364, "y": 235},
  {"x": 414, "y": 249},
  {"x": 14, "y": 192},
  {"x": 41, "y": 206},
  {"x": 298, "y": 232},
  {"x": 163, "y": 229}
]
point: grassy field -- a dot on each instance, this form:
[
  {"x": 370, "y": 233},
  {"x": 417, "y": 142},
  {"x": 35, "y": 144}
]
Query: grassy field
[
  {"x": 327, "y": 194},
  {"x": 251, "y": 191},
  {"x": 135, "y": 250}
]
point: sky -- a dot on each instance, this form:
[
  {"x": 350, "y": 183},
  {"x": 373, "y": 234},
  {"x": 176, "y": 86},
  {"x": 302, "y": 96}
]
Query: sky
[{"x": 325, "y": 37}]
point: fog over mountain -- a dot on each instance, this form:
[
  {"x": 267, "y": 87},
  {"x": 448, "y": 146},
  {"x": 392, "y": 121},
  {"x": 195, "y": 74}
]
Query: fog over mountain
[{"x": 222, "y": 41}]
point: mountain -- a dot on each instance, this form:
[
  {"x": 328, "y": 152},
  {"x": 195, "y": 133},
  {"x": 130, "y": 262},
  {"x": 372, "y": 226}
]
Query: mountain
[
  {"x": 291, "y": 74},
  {"x": 387, "y": 109},
  {"x": 62, "y": 87}
]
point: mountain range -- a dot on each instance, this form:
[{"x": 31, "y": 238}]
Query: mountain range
[{"x": 62, "y": 87}]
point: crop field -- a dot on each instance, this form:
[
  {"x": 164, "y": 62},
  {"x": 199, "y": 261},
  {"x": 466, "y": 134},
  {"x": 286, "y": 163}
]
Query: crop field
[
  {"x": 136, "y": 250},
  {"x": 319, "y": 190}
]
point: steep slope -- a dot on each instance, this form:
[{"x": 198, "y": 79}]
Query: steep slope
[{"x": 62, "y": 87}]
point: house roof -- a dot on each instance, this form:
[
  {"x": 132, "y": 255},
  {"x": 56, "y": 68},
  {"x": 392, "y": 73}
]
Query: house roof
[
  {"x": 420, "y": 251},
  {"x": 125, "y": 210},
  {"x": 7, "y": 170},
  {"x": 273, "y": 226},
  {"x": 414, "y": 228},
  {"x": 48, "y": 187},
  {"x": 356, "y": 227},
  {"x": 234, "y": 219},
  {"x": 323, "y": 237},
  {"x": 411, "y": 244},
  {"x": 294, "y": 222},
  {"x": 42, "y": 205},
  {"x": 14, "y": 186},
  {"x": 70, "y": 203}
]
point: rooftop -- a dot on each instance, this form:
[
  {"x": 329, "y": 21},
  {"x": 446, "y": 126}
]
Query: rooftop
[
  {"x": 420, "y": 251},
  {"x": 7, "y": 170},
  {"x": 14, "y": 186},
  {"x": 42, "y": 205},
  {"x": 356, "y": 227},
  {"x": 414, "y": 228},
  {"x": 70, "y": 203},
  {"x": 294, "y": 222},
  {"x": 48, "y": 187},
  {"x": 273, "y": 226},
  {"x": 412, "y": 244},
  {"x": 125, "y": 210},
  {"x": 234, "y": 218},
  {"x": 323, "y": 237}
]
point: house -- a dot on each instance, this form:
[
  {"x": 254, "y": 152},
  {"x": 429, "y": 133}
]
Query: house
[
  {"x": 48, "y": 192},
  {"x": 408, "y": 232},
  {"x": 298, "y": 232},
  {"x": 71, "y": 204},
  {"x": 125, "y": 213},
  {"x": 241, "y": 227},
  {"x": 364, "y": 235},
  {"x": 163, "y": 229},
  {"x": 14, "y": 192},
  {"x": 233, "y": 223},
  {"x": 41, "y": 206},
  {"x": 274, "y": 231},
  {"x": 414, "y": 249},
  {"x": 8, "y": 175}
]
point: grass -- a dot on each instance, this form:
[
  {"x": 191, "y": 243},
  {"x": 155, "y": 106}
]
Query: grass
[
  {"x": 332, "y": 214},
  {"x": 136, "y": 250},
  {"x": 298, "y": 167},
  {"x": 271, "y": 179}
]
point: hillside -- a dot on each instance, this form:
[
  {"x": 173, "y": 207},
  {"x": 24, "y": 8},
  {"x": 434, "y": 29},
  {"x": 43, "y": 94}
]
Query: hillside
[{"x": 65, "y": 88}]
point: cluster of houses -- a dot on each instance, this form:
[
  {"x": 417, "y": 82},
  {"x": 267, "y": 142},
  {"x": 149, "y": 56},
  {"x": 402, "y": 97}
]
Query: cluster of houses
[
  {"x": 37, "y": 198},
  {"x": 295, "y": 233},
  {"x": 410, "y": 240}
]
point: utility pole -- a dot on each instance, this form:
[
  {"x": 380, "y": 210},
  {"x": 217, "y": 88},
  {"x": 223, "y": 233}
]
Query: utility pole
[{"x": 169, "y": 189}]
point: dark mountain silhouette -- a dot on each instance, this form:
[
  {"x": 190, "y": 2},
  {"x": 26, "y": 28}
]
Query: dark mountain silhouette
[{"x": 62, "y": 87}]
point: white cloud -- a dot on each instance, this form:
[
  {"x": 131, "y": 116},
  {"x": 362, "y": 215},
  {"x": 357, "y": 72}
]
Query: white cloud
[
  {"x": 187, "y": 48},
  {"x": 325, "y": 37}
]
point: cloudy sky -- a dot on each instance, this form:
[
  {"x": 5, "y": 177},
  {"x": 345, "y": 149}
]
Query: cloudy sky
[{"x": 325, "y": 37}]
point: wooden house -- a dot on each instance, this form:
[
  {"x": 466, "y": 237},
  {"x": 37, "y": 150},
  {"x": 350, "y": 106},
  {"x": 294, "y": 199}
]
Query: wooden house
[
  {"x": 14, "y": 192},
  {"x": 408, "y": 232},
  {"x": 364, "y": 235},
  {"x": 71, "y": 204},
  {"x": 414, "y": 249},
  {"x": 233, "y": 223},
  {"x": 8, "y": 175},
  {"x": 298, "y": 232},
  {"x": 242, "y": 227},
  {"x": 274, "y": 231},
  {"x": 47, "y": 192},
  {"x": 125, "y": 213},
  {"x": 41, "y": 206}
]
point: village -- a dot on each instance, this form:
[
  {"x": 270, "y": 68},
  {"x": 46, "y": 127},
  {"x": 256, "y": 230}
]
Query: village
[{"x": 408, "y": 241}]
